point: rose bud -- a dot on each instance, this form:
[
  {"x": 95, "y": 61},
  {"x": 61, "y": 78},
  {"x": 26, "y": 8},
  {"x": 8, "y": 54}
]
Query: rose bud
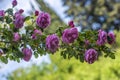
[
  {"x": 111, "y": 38},
  {"x": 71, "y": 24},
  {"x": 36, "y": 13},
  {"x": 14, "y": 3}
]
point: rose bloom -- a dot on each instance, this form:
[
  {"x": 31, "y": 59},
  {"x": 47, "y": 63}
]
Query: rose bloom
[
  {"x": 35, "y": 33},
  {"x": 27, "y": 54},
  {"x": 102, "y": 37},
  {"x": 19, "y": 20},
  {"x": 52, "y": 42},
  {"x": 91, "y": 56},
  {"x": 14, "y": 3},
  {"x": 21, "y": 11},
  {"x": 16, "y": 37},
  {"x": 43, "y": 20},
  {"x": 2, "y": 13},
  {"x": 111, "y": 38},
  {"x": 70, "y": 35}
]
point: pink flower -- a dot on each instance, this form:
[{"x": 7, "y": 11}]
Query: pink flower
[
  {"x": 70, "y": 35},
  {"x": 16, "y": 37},
  {"x": 71, "y": 24},
  {"x": 36, "y": 13},
  {"x": 27, "y": 54},
  {"x": 102, "y": 37},
  {"x": 91, "y": 56},
  {"x": 111, "y": 38},
  {"x": 43, "y": 20},
  {"x": 52, "y": 43},
  {"x": 14, "y": 3},
  {"x": 35, "y": 33},
  {"x": 19, "y": 20},
  {"x": 2, "y": 13}
]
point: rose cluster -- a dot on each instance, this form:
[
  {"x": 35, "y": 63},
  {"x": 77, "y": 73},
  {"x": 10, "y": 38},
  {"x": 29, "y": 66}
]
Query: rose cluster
[
  {"x": 103, "y": 37},
  {"x": 53, "y": 42}
]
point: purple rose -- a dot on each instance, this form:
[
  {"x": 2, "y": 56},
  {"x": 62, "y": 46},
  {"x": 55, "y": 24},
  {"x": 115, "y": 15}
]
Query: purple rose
[
  {"x": 14, "y": 3},
  {"x": 111, "y": 38},
  {"x": 16, "y": 37},
  {"x": 43, "y": 20},
  {"x": 91, "y": 56},
  {"x": 102, "y": 37},
  {"x": 52, "y": 43},
  {"x": 35, "y": 33},
  {"x": 19, "y": 20},
  {"x": 27, "y": 54},
  {"x": 21, "y": 11},
  {"x": 71, "y": 24},
  {"x": 2, "y": 13},
  {"x": 70, "y": 35}
]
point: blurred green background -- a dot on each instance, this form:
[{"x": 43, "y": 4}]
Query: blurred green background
[{"x": 85, "y": 13}]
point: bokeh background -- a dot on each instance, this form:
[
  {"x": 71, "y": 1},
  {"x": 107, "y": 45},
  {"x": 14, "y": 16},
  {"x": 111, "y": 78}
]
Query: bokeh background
[{"x": 87, "y": 14}]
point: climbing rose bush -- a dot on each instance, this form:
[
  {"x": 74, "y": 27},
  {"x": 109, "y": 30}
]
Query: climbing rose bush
[{"x": 17, "y": 32}]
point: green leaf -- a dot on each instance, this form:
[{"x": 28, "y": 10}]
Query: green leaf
[
  {"x": 11, "y": 25},
  {"x": 112, "y": 56},
  {"x": 18, "y": 60},
  {"x": 27, "y": 18},
  {"x": 8, "y": 19},
  {"x": 36, "y": 55},
  {"x": 10, "y": 11},
  {"x": 3, "y": 59},
  {"x": 81, "y": 57}
]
